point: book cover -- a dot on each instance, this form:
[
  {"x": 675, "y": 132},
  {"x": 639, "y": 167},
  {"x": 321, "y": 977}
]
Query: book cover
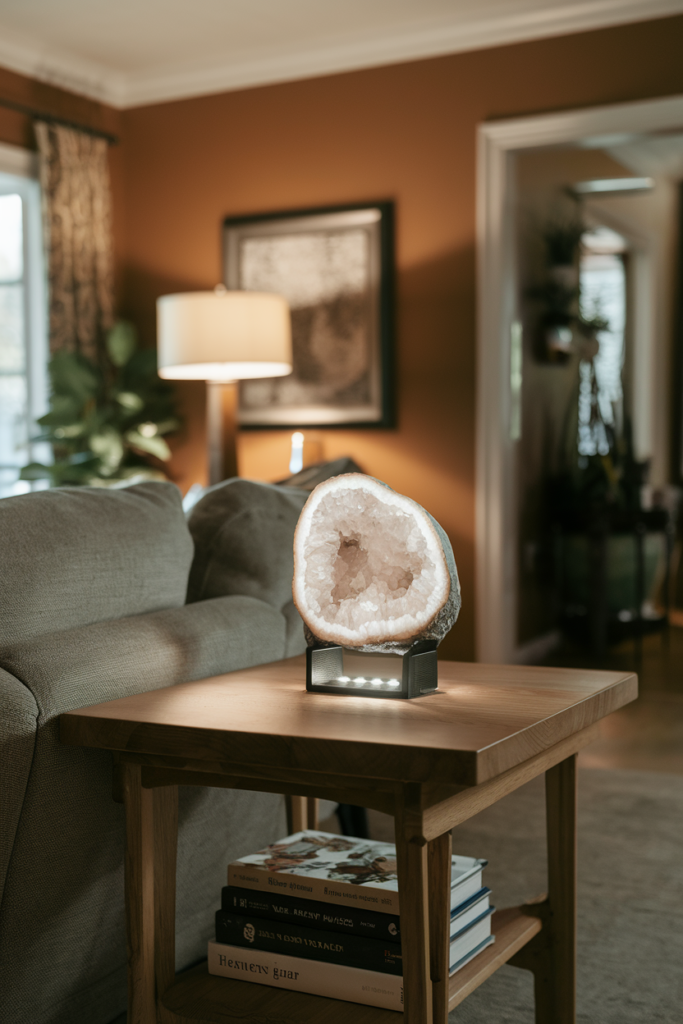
[
  {"x": 488, "y": 941},
  {"x": 470, "y": 911},
  {"x": 308, "y": 943},
  {"x": 336, "y": 869},
  {"x": 335, "y": 981},
  {"x": 467, "y": 942},
  {"x": 311, "y": 913}
]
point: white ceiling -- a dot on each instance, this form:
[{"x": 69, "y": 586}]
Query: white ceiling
[{"x": 130, "y": 52}]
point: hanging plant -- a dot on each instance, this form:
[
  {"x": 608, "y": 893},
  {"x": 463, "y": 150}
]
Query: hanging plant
[
  {"x": 108, "y": 420},
  {"x": 562, "y": 239}
]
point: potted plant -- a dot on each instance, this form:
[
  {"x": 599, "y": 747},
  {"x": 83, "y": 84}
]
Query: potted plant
[
  {"x": 108, "y": 419},
  {"x": 609, "y": 548},
  {"x": 558, "y": 294}
]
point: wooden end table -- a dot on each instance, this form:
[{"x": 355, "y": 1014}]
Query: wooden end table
[{"x": 432, "y": 762}]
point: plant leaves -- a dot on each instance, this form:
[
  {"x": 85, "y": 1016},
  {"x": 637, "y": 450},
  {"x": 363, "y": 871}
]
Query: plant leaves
[
  {"x": 154, "y": 445},
  {"x": 74, "y": 376},
  {"x": 64, "y": 411},
  {"x": 106, "y": 420},
  {"x": 121, "y": 342},
  {"x": 35, "y": 471},
  {"x": 130, "y": 401},
  {"x": 108, "y": 446}
]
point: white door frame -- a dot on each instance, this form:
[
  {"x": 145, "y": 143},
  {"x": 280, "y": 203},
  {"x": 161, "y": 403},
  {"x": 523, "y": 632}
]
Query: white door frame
[{"x": 496, "y": 540}]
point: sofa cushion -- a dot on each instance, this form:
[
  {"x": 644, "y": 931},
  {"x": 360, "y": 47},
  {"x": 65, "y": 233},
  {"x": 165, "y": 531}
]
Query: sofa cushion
[
  {"x": 76, "y": 555},
  {"x": 69, "y": 841},
  {"x": 243, "y": 534}
]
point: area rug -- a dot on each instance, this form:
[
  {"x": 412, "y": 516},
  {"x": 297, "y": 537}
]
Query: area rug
[{"x": 630, "y": 904}]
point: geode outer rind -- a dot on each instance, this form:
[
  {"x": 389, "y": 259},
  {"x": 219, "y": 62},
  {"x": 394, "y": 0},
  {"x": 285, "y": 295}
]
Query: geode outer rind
[{"x": 434, "y": 629}]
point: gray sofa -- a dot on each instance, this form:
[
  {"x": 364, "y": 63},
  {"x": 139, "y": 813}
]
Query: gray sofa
[{"x": 105, "y": 593}]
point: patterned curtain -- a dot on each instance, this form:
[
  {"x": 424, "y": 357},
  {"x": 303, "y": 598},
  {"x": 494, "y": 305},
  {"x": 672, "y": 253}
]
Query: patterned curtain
[{"x": 74, "y": 175}]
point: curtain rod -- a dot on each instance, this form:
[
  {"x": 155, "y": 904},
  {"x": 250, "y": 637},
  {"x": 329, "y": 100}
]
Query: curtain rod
[{"x": 40, "y": 115}]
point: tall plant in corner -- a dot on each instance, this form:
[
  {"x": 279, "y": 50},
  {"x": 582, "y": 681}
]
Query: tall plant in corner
[{"x": 108, "y": 419}]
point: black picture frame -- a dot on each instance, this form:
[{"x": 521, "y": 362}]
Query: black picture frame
[{"x": 335, "y": 266}]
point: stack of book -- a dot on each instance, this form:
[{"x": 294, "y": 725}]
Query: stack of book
[{"x": 319, "y": 913}]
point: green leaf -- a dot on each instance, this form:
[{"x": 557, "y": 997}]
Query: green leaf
[
  {"x": 121, "y": 342},
  {"x": 168, "y": 426},
  {"x": 130, "y": 401},
  {"x": 108, "y": 446},
  {"x": 154, "y": 445},
  {"x": 70, "y": 431},
  {"x": 141, "y": 368},
  {"x": 64, "y": 411},
  {"x": 74, "y": 376},
  {"x": 35, "y": 471}
]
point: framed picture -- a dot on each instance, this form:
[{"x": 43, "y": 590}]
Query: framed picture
[{"x": 335, "y": 268}]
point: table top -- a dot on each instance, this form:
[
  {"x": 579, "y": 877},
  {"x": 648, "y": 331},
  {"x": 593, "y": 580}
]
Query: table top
[{"x": 483, "y": 720}]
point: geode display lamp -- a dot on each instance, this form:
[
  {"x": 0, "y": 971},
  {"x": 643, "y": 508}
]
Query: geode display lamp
[
  {"x": 376, "y": 584},
  {"x": 222, "y": 337}
]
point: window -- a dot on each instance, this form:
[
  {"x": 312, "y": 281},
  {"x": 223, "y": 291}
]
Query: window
[
  {"x": 603, "y": 294},
  {"x": 23, "y": 334}
]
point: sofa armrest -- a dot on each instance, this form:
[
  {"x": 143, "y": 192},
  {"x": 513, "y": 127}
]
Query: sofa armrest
[
  {"x": 18, "y": 717},
  {"x": 107, "y": 660}
]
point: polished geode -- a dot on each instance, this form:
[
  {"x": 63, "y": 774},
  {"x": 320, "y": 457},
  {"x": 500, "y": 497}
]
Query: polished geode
[{"x": 372, "y": 569}]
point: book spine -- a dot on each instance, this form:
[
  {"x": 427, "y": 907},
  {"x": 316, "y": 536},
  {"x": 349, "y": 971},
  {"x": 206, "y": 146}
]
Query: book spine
[
  {"x": 312, "y": 914},
  {"x": 343, "y": 894},
  {"x": 308, "y": 943},
  {"x": 335, "y": 981}
]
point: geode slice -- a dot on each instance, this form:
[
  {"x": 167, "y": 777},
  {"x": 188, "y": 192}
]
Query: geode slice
[{"x": 372, "y": 569}]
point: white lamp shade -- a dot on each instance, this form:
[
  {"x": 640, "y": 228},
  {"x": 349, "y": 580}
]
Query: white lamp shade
[{"x": 223, "y": 336}]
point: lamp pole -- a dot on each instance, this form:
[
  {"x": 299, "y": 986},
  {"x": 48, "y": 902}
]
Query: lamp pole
[{"x": 221, "y": 429}]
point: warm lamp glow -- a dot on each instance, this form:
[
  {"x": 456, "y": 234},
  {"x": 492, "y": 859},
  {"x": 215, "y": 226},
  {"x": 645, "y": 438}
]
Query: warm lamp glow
[
  {"x": 296, "y": 461},
  {"x": 223, "y": 336}
]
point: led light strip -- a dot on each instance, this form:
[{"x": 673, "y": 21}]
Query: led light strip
[{"x": 362, "y": 681}]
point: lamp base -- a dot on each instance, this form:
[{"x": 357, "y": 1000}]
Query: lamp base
[
  {"x": 350, "y": 673},
  {"x": 221, "y": 429}
]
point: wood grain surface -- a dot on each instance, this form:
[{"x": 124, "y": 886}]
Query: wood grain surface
[
  {"x": 201, "y": 998},
  {"x": 484, "y": 720}
]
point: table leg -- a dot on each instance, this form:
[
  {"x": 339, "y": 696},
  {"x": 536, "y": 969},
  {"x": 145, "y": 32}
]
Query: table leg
[
  {"x": 555, "y": 980},
  {"x": 412, "y": 869},
  {"x": 165, "y": 812},
  {"x": 297, "y": 813},
  {"x": 139, "y": 892},
  {"x": 439, "y": 857},
  {"x": 312, "y": 815}
]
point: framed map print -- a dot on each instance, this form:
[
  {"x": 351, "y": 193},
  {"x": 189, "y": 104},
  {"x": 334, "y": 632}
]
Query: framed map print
[{"x": 335, "y": 268}]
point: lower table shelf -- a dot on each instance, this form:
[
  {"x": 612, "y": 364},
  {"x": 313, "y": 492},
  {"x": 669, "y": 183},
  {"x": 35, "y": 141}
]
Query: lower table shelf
[
  {"x": 197, "y": 997},
  {"x": 513, "y": 928}
]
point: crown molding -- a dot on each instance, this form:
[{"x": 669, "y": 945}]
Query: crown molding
[
  {"x": 159, "y": 85},
  {"x": 61, "y": 68}
]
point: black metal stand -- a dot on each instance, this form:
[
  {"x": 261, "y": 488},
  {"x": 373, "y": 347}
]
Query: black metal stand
[{"x": 350, "y": 673}]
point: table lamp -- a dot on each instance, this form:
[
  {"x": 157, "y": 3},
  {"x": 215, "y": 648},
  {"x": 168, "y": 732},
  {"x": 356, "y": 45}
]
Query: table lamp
[{"x": 222, "y": 337}]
